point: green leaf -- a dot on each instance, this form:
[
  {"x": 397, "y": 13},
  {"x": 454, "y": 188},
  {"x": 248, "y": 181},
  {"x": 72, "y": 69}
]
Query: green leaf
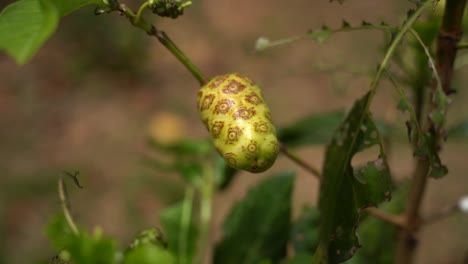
[
  {"x": 379, "y": 238},
  {"x": 26, "y": 24},
  {"x": 313, "y": 129},
  {"x": 458, "y": 131},
  {"x": 258, "y": 226},
  {"x": 301, "y": 258},
  {"x": 92, "y": 249},
  {"x": 305, "y": 231},
  {"x": 427, "y": 148},
  {"x": 344, "y": 192},
  {"x": 149, "y": 254},
  {"x": 182, "y": 147},
  {"x": 181, "y": 234},
  {"x": 58, "y": 232}
]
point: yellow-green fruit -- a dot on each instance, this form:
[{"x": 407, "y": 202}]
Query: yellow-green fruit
[{"x": 239, "y": 121}]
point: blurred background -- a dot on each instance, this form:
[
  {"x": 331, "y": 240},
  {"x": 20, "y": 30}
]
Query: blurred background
[{"x": 99, "y": 88}]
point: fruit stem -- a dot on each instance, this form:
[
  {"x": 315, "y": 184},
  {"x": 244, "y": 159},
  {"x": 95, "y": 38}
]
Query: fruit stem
[
  {"x": 138, "y": 21},
  {"x": 292, "y": 156}
]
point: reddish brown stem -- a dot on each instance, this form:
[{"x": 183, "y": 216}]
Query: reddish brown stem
[{"x": 449, "y": 35}]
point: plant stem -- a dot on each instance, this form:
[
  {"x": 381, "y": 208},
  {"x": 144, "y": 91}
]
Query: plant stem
[
  {"x": 185, "y": 222},
  {"x": 138, "y": 21},
  {"x": 65, "y": 206},
  {"x": 205, "y": 214},
  {"x": 292, "y": 156},
  {"x": 449, "y": 35}
]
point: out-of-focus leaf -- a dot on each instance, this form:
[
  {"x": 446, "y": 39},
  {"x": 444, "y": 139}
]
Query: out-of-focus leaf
[
  {"x": 313, "y": 129},
  {"x": 181, "y": 235},
  {"x": 149, "y": 254},
  {"x": 301, "y": 258},
  {"x": 92, "y": 249},
  {"x": 458, "y": 131},
  {"x": 305, "y": 231},
  {"x": 344, "y": 191},
  {"x": 58, "y": 232},
  {"x": 26, "y": 24},
  {"x": 258, "y": 226},
  {"x": 182, "y": 147},
  {"x": 224, "y": 174}
]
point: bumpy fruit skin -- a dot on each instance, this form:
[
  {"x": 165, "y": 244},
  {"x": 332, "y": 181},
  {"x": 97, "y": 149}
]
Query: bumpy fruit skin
[{"x": 232, "y": 108}]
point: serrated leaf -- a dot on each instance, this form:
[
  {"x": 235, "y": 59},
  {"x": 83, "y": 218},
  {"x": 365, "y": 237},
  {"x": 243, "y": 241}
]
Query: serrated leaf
[
  {"x": 257, "y": 227},
  {"x": 343, "y": 193},
  {"x": 313, "y": 129},
  {"x": 181, "y": 235},
  {"x": 149, "y": 254},
  {"x": 428, "y": 148},
  {"x": 26, "y": 24}
]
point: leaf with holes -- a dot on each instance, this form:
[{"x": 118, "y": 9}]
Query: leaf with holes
[
  {"x": 344, "y": 190},
  {"x": 258, "y": 226}
]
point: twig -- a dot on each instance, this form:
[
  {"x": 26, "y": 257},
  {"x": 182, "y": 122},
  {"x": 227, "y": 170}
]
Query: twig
[
  {"x": 397, "y": 220},
  {"x": 138, "y": 21},
  {"x": 315, "y": 172},
  {"x": 62, "y": 190}
]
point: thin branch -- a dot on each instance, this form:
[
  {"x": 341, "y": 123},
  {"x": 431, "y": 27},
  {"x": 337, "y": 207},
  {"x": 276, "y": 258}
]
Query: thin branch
[
  {"x": 292, "y": 156},
  {"x": 62, "y": 190},
  {"x": 138, "y": 21},
  {"x": 397, "y": 220}
]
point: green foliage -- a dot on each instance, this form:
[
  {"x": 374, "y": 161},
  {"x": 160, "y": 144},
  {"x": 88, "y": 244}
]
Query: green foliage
[
  {"x": 255, "y": 230},
  {"x": 181, "y": 232},
  {"x": 305, "y": 231},
  {"x": 378, "y": 238},
  {"x": 83, "y": 248},
  {"x": 313, "y": 129},
  {"x": 149, "y": 254},
  {"x": 25, "y": 25},
  {"x": 345, "y": 190}
]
